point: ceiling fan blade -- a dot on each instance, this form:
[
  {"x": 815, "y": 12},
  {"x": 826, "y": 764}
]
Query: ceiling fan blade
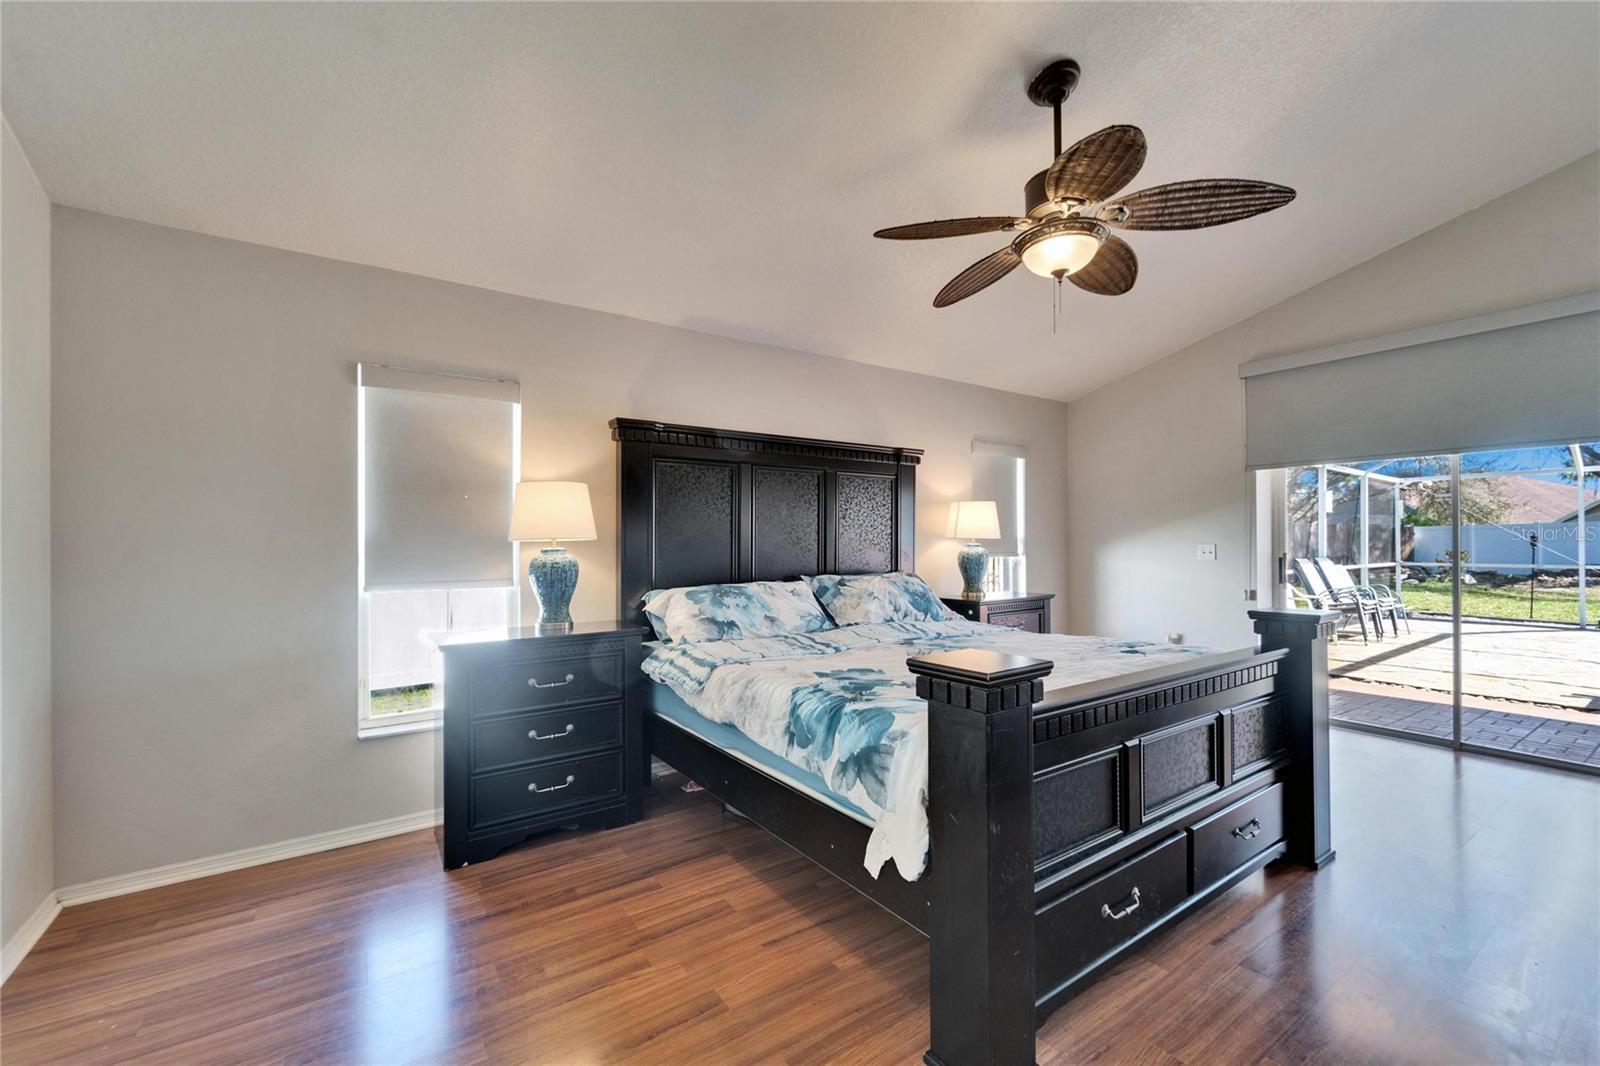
[
  {"x": 1111, "y": 272},
  {"x": 980, "y": 275},
  {"x": 952, "y": 227},
  {"x": 1198, "y": 204},
  {"x": 1097, "y": 166}
]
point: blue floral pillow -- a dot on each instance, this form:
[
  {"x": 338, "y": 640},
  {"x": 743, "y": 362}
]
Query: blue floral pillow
[
  {"x": 855, "y": 598},
  {"x": 731, "y": 612}
]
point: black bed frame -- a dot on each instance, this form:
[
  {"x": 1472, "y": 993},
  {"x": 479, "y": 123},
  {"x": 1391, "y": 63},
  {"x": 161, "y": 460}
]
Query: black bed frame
[{"x": 1068, "y": 826}]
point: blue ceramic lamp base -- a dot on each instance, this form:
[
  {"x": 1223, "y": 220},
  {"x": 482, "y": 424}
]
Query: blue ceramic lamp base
[
  {"x": 553, "y": 573},
  {"x": 974, "y": 563}
]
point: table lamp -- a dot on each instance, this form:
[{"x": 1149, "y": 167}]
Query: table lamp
[
  {"x": 552, "y": 511},
  {"x": 972, "y": 521}
]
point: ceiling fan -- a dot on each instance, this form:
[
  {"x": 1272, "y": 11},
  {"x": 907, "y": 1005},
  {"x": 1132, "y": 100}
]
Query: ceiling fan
[{"x": 1066, "y": 231}]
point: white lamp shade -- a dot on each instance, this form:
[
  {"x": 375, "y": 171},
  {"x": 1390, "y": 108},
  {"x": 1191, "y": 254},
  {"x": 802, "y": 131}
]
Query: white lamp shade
[
  {"x": 552, "y": 510},
  {"x": 974, "y": 520}
]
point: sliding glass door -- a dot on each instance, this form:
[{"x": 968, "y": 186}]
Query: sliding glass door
[
  {"x": 1350, "y": 542},
  {"x": 1464, "y": 585}
]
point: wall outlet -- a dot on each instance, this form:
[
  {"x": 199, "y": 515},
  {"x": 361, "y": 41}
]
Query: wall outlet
[{"x": 1206, "y": 551}]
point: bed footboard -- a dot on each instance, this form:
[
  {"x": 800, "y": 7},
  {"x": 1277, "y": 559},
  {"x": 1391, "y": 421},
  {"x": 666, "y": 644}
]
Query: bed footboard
[
  {"x": 980, "y": 812},
  {"x": 1065, "y": 833}
]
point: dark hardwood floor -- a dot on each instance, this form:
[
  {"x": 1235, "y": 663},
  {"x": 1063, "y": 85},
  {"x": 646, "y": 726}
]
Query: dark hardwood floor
[{"x": 1461, "y": 923}]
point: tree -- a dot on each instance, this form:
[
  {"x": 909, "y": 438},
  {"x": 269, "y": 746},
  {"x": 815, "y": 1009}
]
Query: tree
[{"x": 1427, "y": 503}]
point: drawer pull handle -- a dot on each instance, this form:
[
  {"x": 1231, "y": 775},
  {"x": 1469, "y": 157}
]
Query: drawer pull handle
[
  {"x": 1119, "y": 914},
  {"x": 533, "y": 786},
  {"x": 533, "y": 682},
  {"x": 534, "y": 734},
  {"x": 1252, "y": 828}
]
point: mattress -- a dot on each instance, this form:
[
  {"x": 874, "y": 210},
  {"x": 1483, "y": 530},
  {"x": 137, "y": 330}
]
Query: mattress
[
  {"x": 836, "y": 711},
  {"x": 667, "y": 704}
]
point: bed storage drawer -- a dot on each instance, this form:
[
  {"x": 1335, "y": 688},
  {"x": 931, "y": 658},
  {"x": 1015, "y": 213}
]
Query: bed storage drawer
[
  {"x": 546, "y": 787},
  {"x": 549, "y": 682},
  {"x": 1236, "y": 834},
  {"x": 522, "y": 738},
  {"x": 1073, "y": 931}
]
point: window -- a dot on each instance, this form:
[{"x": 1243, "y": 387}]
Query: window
[
  {"x": 437, "y": 462},
  {"x": 403, "y": 661},
  {"x": 999, "y": 473}
]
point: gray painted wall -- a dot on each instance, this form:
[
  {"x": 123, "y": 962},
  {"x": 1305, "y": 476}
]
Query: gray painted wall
[
  {"x": 26, "y": 860},
  {"x": 1155, "y": 459},
  {"x": 205, "y": 511}
]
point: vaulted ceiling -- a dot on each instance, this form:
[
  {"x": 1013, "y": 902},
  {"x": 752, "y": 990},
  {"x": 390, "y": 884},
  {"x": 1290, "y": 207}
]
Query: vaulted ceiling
[{"x": 722, "y": 166}]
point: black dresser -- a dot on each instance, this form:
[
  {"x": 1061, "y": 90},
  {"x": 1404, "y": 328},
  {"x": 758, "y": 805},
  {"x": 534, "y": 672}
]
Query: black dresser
[
  {"x": 1019, "y": 611},
  {"x": 542, "y": 730}
]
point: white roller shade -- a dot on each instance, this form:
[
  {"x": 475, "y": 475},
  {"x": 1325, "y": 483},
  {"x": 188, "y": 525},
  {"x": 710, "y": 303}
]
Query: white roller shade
[
  {"x": 436, "y": 480},
  {"x": 996, "y": 475},
  {"x": 440, "y": 383},
  {"x": 1521, "y": 377}
]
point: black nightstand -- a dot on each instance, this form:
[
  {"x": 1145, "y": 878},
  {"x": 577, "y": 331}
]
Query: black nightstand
[
  {"x": 1027, "y": 612},
  {"x": 542, "y": 730}
]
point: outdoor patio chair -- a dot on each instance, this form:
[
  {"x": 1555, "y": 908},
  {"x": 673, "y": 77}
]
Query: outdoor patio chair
[
  {"x": 1340, "y": 581},
  {"x": 1348, "y": 605}
]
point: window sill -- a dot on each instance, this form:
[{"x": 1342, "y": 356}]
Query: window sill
[{"x": 374, "y": 730}]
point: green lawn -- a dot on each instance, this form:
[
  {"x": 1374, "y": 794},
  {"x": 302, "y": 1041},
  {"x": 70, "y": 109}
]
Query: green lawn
[
  {"x": 1509, "y": 601},
  {"x": 398, "y": 700}
]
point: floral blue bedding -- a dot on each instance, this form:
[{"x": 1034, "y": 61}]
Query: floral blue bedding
[
  {"x": 842, "y": 704},
  {"x": 851, "y": 599},
  {"x": 731, "y": 612}
]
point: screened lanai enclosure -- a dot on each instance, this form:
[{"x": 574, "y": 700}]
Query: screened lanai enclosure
[
  {"x": 1526, "y": 535},
  {"x": 1494, "y": 557}
]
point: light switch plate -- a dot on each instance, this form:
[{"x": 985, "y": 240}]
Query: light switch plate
[{"x": 1206, "y": 551}]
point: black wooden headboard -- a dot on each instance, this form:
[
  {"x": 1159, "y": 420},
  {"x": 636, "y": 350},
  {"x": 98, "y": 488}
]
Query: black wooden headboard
[{"x": 698, "y": 506}]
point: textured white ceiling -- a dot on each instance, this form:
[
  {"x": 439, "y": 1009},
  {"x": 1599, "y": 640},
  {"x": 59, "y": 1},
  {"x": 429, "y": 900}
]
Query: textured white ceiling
[{"x": 722, "y": 166}]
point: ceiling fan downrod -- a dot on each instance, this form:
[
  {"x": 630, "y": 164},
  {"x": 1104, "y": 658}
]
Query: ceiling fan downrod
[{"x": 1051, "y": 87}]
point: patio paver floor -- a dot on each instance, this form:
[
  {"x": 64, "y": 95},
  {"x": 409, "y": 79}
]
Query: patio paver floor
[
  {"x": 1552, "y": 738},
  {"x": 1550, "y": 665}
]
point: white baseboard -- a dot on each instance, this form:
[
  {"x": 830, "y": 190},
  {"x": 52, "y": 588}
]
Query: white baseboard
[
  {"x": 22, "y": 941},
  {"x": 171, "y": 874}
]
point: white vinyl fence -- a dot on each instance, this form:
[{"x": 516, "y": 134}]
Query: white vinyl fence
[{"x": 1508, "y": 549}]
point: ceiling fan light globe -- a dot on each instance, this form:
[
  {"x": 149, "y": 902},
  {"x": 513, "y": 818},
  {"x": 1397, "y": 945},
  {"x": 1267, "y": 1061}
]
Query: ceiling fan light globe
[
  {"x": 1056, "y": 249},
  {"x": 1056, "y": 257}
]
